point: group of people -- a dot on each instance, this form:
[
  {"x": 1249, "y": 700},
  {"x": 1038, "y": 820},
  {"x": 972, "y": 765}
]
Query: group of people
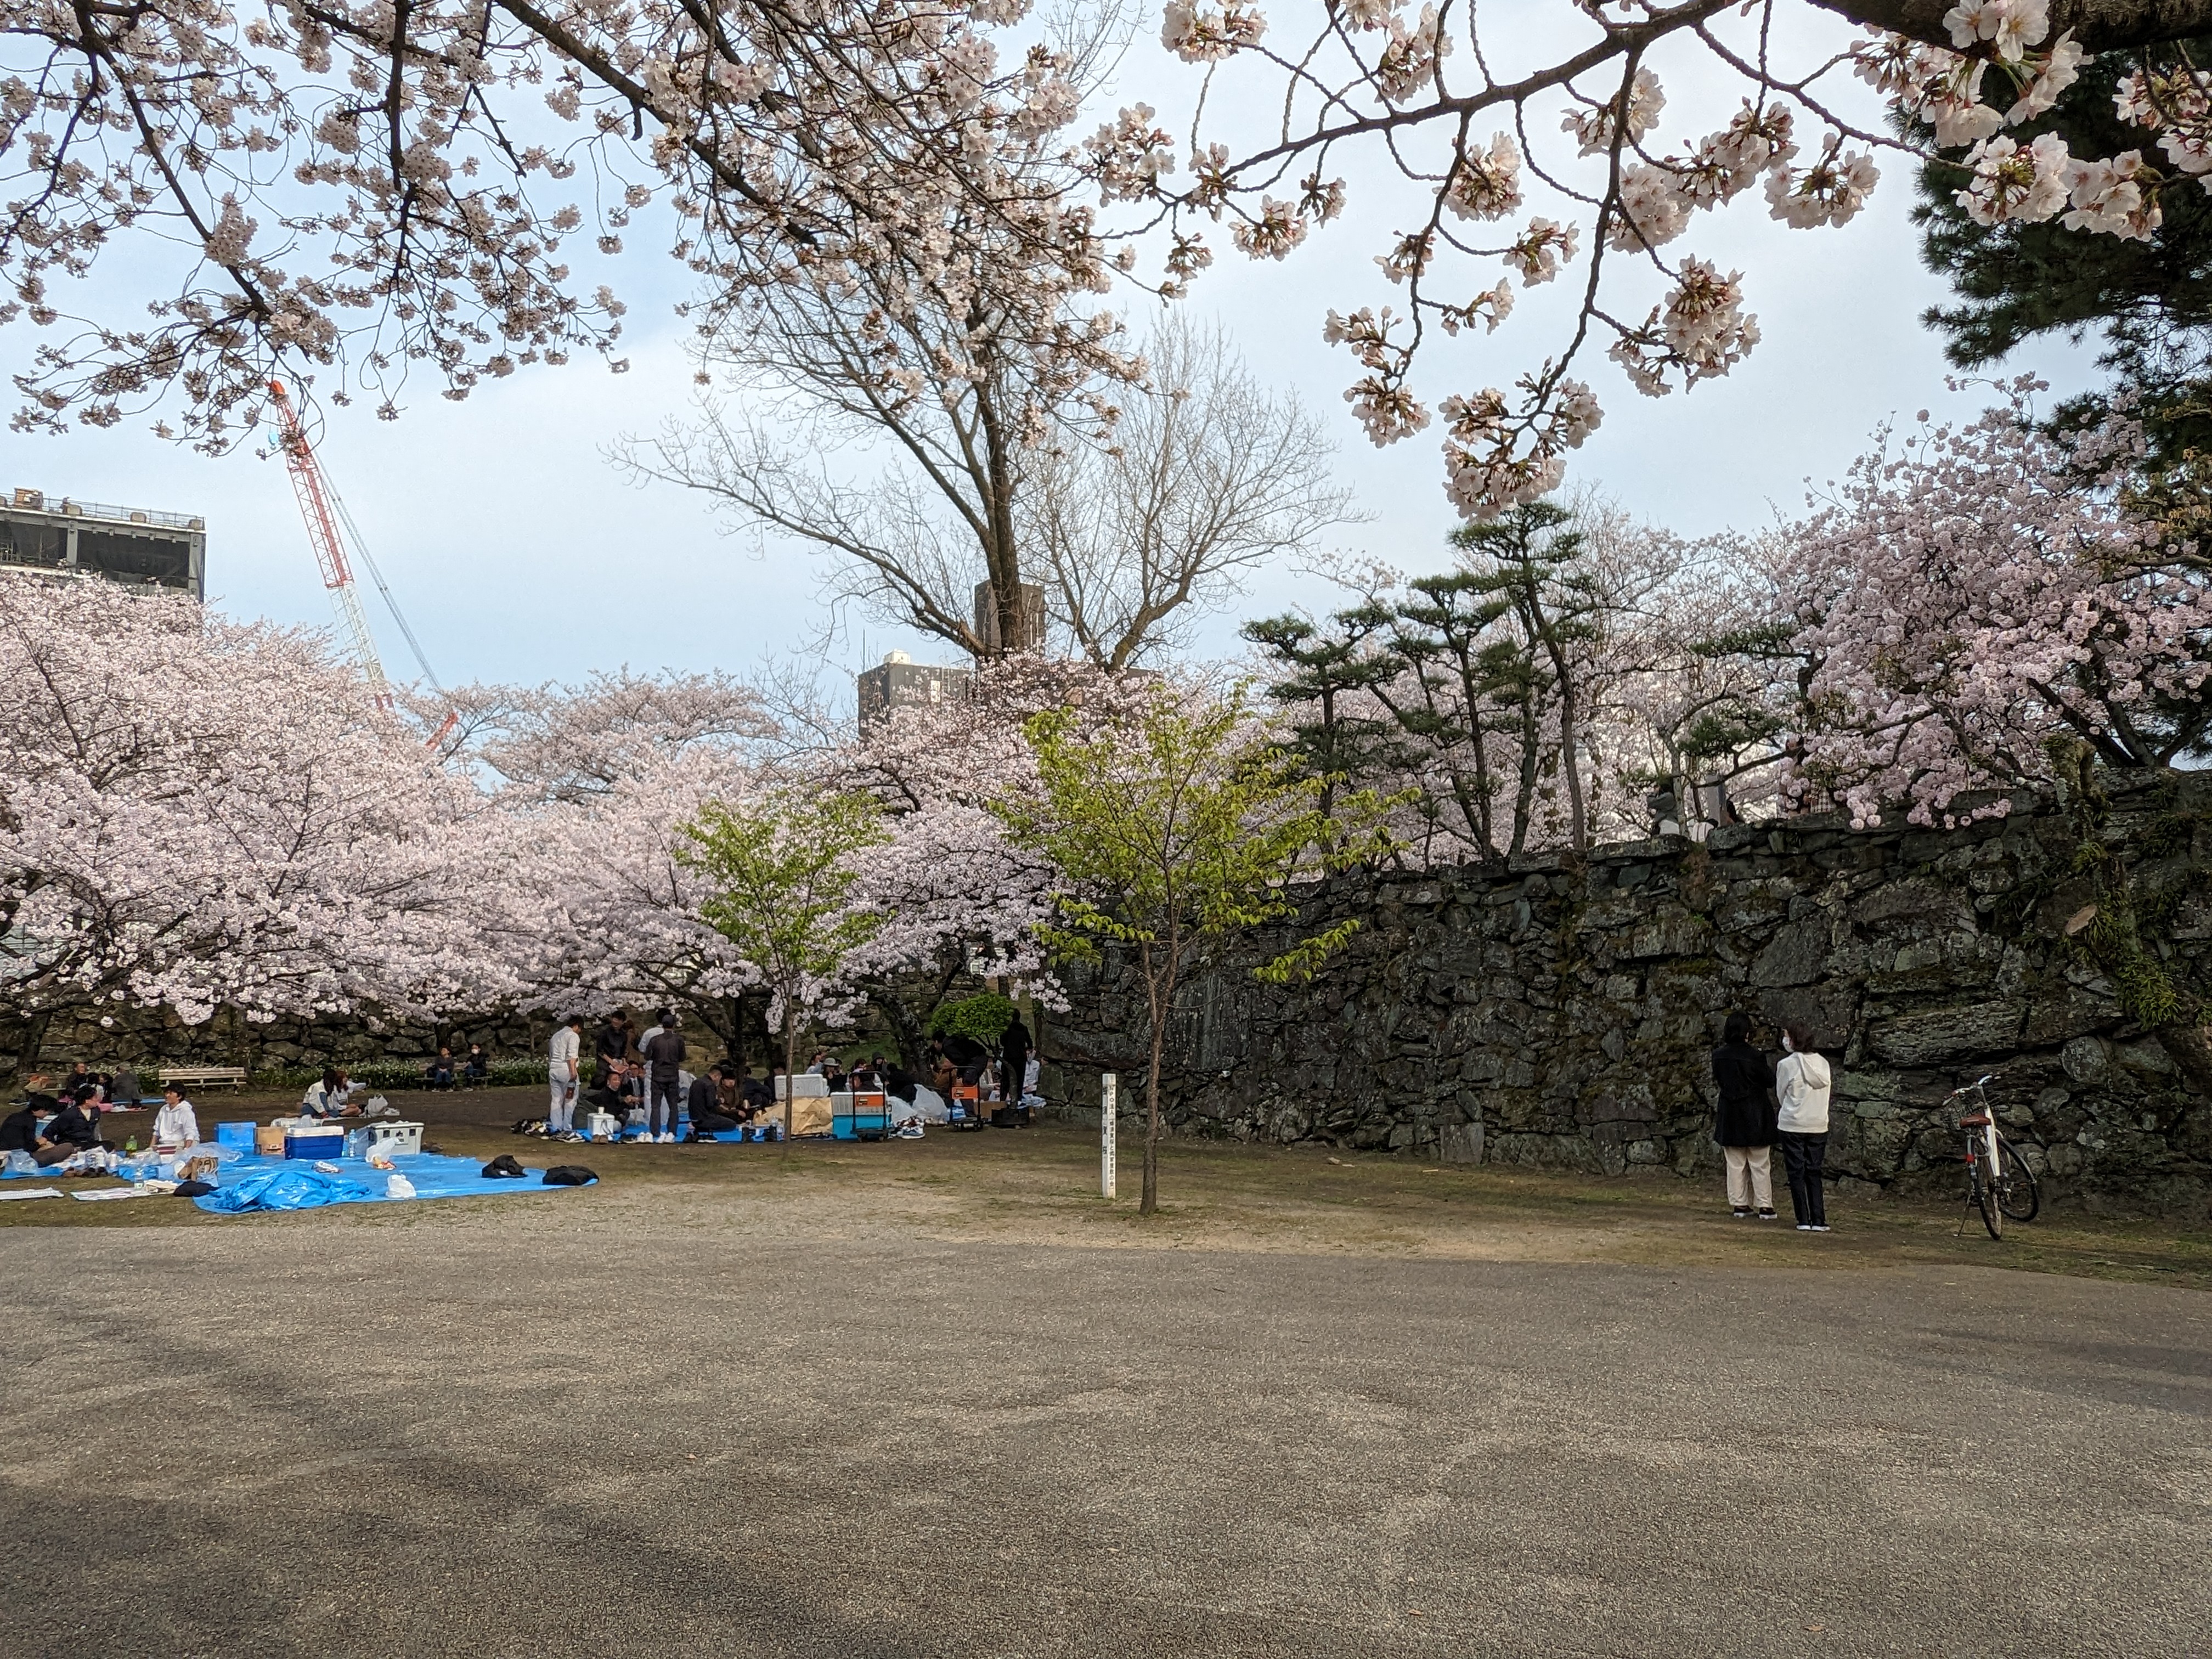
[
  {"x": 51, "y": 1128},
  {"x": 447, "y": 1072},
  {"x": 641, "y": 1078},
  {"x": 1765, "y": 1105}
]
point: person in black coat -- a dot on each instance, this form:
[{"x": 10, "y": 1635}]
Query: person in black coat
[
  {"x": 1744, "y": 1124},
  {"x": 704, "y": 1103}
]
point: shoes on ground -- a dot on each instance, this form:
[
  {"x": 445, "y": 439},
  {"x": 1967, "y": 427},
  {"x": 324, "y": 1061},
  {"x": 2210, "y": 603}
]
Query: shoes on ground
[
  {"x": 1804, "y": 1226},
  {"x": 1740, "y": 1212},
  {"x": 1818, "y": 1227},
  {"x": 1766, "y": 1215}
]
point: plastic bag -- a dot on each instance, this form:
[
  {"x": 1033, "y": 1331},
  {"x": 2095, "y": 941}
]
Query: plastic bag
[
  {"x": 399, "y": 1186},
  {"x": 19, "y": 1163}
]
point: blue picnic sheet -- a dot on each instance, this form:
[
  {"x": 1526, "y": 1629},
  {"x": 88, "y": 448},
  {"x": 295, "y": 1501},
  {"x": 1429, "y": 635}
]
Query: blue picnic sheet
[{"x": 258, "y": 1182}]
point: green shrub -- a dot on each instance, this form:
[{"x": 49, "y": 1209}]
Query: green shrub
[{"x": 982, "y": 1017}]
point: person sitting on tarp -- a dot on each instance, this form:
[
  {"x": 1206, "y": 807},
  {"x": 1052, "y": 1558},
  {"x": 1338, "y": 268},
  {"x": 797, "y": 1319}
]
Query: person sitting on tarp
[
  {"x": 329, "y": 1097},
  {"x": 439, "y": 1073},
  {"x": 20, "y": 1130},
  {"x": 704, "y": 1103},
  {"x": 176, "y": 1126},
  {"x": 756, "y": 1096},
  {"x": 74, "y": 1128},
  {"x": 610, "y": 1091}
]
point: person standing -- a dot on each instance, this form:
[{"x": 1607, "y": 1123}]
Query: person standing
[
  {"x": 1801, "y": 1084},
  {"x": 561, "y": 1077},
  {"x": 664, "y": 1059},
  {"x": 1744, "y": 1126},
  {"x": 1014, "y": 1046}
]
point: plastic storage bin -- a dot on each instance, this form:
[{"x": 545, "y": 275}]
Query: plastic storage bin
[{"x": 240, "y": 1135}]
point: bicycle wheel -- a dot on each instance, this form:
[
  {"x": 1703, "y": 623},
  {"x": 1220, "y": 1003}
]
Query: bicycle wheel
[
  {"x": 2018, "y": 1195},
  {"x": 1982, "y": 1194}
]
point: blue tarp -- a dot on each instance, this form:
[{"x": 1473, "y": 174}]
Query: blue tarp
[{"x": 273, "y": 1183}]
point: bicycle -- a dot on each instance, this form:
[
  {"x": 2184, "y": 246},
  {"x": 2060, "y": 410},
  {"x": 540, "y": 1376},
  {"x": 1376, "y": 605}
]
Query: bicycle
[{"x": 1999, "y": 1183}]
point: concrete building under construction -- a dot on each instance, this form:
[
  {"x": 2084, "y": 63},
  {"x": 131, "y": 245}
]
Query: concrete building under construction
[{"x": 132, "y": 544}]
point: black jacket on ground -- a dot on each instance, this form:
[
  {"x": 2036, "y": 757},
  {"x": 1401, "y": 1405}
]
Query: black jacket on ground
[{"x": 1747, "y": 1111}]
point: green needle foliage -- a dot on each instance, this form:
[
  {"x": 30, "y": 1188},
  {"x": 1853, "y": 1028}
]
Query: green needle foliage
[
  {"x": 1175, "y": 827},
  {"x": 2149, "y": 302},
  {"x": 781, "y": 873}
]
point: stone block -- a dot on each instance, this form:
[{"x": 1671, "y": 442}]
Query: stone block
[
  {"x": 1946, "y": 1034},
  {"x": 1795, "y": 956}
]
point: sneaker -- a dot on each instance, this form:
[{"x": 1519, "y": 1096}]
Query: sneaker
[
  {"x": 1818, "y": 1227},
  {"x": 1806, "y": 1227},
  {"x": 1740, "y": 1212},
  {"x": 666, "y": 1139},
  {"x": 1766, "y": 1215}
]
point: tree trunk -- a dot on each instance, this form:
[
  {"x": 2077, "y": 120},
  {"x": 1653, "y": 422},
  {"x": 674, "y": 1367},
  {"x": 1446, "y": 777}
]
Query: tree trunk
[
  {"x": 1577, "y": 833},
  {"x": 22, "y": 1036},
  {"x": 1159, "y": 996},
  {"x": 790, "y": 1071}
]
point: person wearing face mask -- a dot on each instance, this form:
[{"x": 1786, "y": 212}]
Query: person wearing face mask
[{"x": 1800, "y": 1084}]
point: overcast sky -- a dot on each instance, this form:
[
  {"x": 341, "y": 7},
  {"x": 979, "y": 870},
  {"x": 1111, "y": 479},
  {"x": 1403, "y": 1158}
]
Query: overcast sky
[{"x": 518, "y": 553}]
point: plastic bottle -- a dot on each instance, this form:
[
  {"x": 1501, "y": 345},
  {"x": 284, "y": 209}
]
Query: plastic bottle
[{"x": 131, "y": 1145}]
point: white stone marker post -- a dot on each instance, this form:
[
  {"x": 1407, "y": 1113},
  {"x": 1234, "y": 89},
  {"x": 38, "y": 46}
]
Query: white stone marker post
[{"x": 1107, "y": 1111}]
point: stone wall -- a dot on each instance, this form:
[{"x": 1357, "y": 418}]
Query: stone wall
[
  {"x": 147, "y": 1036},
  {"x": 1560, "y": 1011}
]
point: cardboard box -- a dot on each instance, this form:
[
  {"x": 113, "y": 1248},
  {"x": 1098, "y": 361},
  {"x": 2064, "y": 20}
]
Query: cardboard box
[{"x": 268, "y": 1137}]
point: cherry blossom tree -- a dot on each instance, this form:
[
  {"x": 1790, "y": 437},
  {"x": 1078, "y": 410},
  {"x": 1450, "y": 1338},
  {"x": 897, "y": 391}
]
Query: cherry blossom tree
[
  {"x": 197, "y": 814},
  {"x": 1536, "y": 153},
  {"x": 782, "y": 885},
  {"x": 365, "y": 188},
  {"x": 1967, "y": 600}
]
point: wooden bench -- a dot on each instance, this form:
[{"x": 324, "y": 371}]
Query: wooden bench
[{"x": 201, "y": 1077}]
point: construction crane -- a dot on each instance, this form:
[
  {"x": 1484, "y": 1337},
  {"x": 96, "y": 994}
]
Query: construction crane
[{"x": 326, "y": 517}]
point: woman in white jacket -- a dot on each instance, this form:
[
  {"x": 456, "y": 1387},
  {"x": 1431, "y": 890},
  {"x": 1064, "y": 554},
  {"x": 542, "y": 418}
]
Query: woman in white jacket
[{"x": 1800, "y": 1084}]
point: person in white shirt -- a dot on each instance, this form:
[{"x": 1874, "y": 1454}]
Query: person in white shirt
[
  {"x": 1800, "y": 1084},
  {"x": 561, "y": 1076},
  {"x": 176, "y": 1126},
  {"x": 329, "y": 1097}
]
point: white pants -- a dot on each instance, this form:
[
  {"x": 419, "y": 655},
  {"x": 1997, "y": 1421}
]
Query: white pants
[
  {"x": 1750, "y": 1177},
  {"x": 563, "y": 1106}
]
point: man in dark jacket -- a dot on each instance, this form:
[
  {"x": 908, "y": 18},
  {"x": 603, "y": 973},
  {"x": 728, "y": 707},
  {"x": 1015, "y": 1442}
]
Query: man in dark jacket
[
  {"x": 663, "y": 1060},
  {"x": 74, "y": 1128},
  {"x": 1014, "y": 1044},
  {"x": 705, "y": 1101},
  {"x": 611, "y": 1044},
  {"x": 1744, "y": 1125}
]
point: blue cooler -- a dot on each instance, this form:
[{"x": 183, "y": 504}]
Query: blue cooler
[
  {"x": 315, "y": 1143},
  {"x": 240, "y": 1135}
]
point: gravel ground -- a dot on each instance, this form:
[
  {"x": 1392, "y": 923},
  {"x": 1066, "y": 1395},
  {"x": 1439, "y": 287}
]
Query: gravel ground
[{"x": 647, "y": 1421}]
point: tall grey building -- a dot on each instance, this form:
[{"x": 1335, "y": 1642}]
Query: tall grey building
[
  {"x": 899, "y": 681},
  {"x": 132, "y": 545}
]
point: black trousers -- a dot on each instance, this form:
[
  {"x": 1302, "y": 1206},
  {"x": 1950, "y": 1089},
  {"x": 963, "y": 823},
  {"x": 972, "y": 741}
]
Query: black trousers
[
  {"x": 711, "y": 1123},
  {"x": 660, "y": 1114},
  {"x": 1802, "y": 1156}
]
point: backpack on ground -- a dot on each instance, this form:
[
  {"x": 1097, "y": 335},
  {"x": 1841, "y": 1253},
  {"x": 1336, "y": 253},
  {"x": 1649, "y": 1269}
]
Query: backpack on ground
[{"x": 569, "y": 1175}]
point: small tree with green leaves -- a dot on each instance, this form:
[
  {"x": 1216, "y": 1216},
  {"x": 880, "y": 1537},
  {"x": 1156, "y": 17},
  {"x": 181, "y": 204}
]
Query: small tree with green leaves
[
  {"x": 782, "y": 878},
  {"x": 1173, "y": 828}
]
